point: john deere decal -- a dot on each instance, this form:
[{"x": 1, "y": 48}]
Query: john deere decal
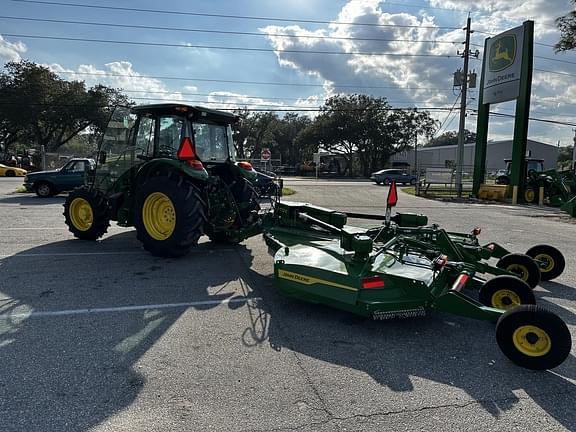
[{"x": 502, "y": 53}]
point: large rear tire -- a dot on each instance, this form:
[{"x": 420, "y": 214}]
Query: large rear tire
[
  {"x": 170, "y": 215},
  {"x": 522, "y": 266},
  {"x": 506, "y": 292},
  {"x": 549, "y": 259},
  {"x": 86, "y": 213},
  {"x": 533, "y": 337}
]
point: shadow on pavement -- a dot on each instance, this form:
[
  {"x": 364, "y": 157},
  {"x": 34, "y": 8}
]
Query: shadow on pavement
[
  {"x": 449, "y": 350},
  {"x": 72, "y": 372},
  {"x": 32, "y": 199}
]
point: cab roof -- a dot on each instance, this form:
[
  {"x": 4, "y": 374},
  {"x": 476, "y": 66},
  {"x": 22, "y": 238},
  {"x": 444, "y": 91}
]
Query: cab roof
[{"x": 196, "y": 112}]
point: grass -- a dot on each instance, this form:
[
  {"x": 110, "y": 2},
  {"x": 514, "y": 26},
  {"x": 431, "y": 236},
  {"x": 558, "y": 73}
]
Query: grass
[
  {"x": 20, "y": 189},
  {"x": 287, "y": 191}
]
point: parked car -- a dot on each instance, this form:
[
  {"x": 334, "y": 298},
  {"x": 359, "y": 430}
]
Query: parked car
[
  {"x": 387, "y": 176},
  {"x": 69, "y": 177},
  {"x": 8, "y": 171}
]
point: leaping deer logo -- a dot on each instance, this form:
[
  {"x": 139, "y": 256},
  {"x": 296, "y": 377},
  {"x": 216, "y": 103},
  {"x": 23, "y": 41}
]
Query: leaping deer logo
[{"x": 501, "y": 54}]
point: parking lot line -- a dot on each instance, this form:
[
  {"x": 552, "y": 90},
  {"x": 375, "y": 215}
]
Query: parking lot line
[
  {"x": 67, "y": 312},
  {"x": 56, "y": 254}
]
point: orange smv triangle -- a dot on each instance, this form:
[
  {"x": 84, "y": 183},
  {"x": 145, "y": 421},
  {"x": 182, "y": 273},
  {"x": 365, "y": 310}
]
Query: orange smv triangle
[
  {"x": 186, "y": 150},
  {"x": 392, "y": 195}
]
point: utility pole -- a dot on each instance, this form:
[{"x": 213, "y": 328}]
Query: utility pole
[
  {"x": 573, "y": 167},
  {"x": 460, "y": 153}
]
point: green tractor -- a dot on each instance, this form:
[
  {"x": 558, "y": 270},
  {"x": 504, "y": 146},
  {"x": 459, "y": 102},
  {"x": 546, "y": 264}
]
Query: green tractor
[{"x": 170, "y": 171}]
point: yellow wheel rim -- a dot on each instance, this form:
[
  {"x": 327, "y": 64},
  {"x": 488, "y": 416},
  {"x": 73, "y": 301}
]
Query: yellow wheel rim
[
  {"x": 546, "y": 262},
  {"x": 159, "y": 216},
  {"x": 81, "y": 214},
  {"x": 532, "y": 341},
  {"x": 505, "y": 299},
  {"x": 529, "y": 195},
  {"x": 519, "y": 270}
]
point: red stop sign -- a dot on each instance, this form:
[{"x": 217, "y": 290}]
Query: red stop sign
[{"x": 265, "y": 154}]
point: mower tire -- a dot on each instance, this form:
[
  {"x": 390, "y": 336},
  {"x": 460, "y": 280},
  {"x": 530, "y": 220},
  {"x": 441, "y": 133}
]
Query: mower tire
[
  {"x": 549, "y": 259},
  {"x": 506, "y": 292},
  {"x": 86, "y": 213},
  {"x": 533, "y": 337},
  {"x": 522, "y": 266},
  {"x": 170, "y": 215}
]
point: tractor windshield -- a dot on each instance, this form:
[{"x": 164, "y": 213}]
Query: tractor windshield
[{"x": 212, "y": 142}]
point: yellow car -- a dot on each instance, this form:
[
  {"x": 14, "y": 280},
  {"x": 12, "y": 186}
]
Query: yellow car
[{"x": 8, "y": 171}]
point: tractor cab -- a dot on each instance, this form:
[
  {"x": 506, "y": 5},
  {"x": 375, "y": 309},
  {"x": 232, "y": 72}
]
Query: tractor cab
[
  {"x": 532, "y": 165},
  {"x": 199, "y": 139}
]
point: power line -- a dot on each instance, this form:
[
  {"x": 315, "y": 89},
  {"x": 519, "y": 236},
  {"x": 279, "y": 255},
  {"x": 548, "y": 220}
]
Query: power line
[
  {"x": 276, "y": 109},
  {"x": 164, "y": 77},
  {"x": 225, "y": 32},
  {"x": 498, "y": 114},
  {"x": 448, "y": 115},
  {"x": 160, "y": 44},
  {"x": 213, "y": 15},
  {"x": 555, "y": 72}
]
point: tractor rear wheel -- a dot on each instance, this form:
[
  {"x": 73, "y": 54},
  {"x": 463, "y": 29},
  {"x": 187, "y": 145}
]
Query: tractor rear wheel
[
  {"x": 506, "y": 292},
  {"x": 170, "y": 215},
  {"x": 533, "y": 337},
  {"x": 549, "y": 259},
  {"x": 86, "y": 213},
  {"x": 522, "y": 266}
]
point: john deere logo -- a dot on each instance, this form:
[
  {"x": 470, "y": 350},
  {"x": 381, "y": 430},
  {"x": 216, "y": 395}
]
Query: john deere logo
[{"x": 502, "y": 53}]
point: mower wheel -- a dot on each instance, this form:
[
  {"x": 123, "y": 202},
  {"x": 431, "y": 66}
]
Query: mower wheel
[
  {"x": 506, "y": 292},
  {"x": 549, "y": 259},
  {"x": 529, "y": 195},
  {"x": 522, "y": 266},
  {"x": 533, "y": 337},
  {"x": 86, "y": 213},
  {"x": 170, "y": 215}
]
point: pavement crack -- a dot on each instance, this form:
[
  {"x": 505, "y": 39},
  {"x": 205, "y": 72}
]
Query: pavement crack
[{"x": 333, "y": 418}]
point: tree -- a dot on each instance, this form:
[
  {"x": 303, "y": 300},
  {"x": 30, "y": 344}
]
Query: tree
[
  {"x": 451, "y": 138},
  {"x": 39, "y": 106},
  {"x": 365, "y": 127},
  {"x": 285, "y": 134},
  {"x": 567, "y": 27},
  {"x": 254, "y": 131}
]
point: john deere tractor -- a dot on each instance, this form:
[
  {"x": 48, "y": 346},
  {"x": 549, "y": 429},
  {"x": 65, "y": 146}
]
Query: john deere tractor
[{"x": 170, "y": 171}]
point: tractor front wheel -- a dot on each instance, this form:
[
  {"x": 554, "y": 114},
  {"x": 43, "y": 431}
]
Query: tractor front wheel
[
  {"x": 522, "y": 266},
  {"x": 170, "y": 215},
  {"x": 549, "y": 259},
  {"x": 533, "y": 337},
  {"x": 506, "y": 292},
  {"x": 529, "y": 195},
  {"x": 86, "y": 213}
]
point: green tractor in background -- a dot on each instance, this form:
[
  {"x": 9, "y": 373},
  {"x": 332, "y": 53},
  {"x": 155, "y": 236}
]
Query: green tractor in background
[{"x": 170, "y": 171}]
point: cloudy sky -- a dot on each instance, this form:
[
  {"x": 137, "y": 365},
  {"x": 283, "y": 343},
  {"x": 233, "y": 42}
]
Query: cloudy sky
[{"x": 276, "y": 55}]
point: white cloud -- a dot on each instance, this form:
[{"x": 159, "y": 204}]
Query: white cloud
[
  {"x": 11, "y": 51},
  {"x": 121, "y": 74}
]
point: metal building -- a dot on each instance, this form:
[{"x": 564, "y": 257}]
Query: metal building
[{"x": 445, "y": 156}]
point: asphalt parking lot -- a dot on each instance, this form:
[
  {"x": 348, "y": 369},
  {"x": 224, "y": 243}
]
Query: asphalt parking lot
[{"x": 104, "y": 337}]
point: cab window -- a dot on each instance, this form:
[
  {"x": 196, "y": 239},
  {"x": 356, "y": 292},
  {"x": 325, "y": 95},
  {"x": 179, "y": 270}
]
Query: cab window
[{"x": 171, "y": 131}]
